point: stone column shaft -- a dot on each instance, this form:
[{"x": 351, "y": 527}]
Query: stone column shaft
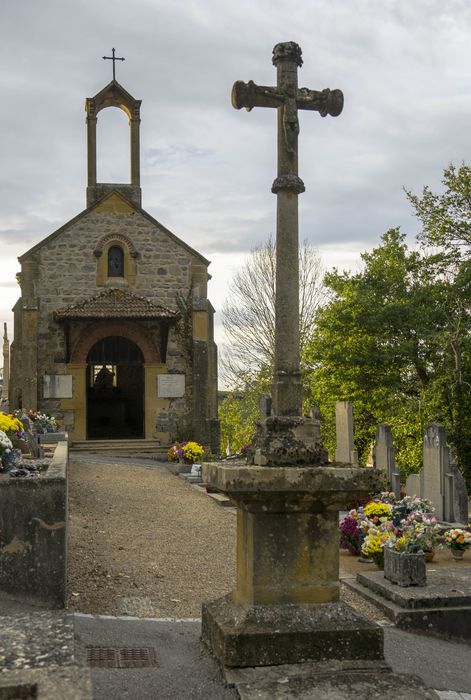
[
  {"x": 135, "y": 166},
  {"x": 287, "y": 557},
  {"x": 287, "y": 400},
  {"x": 91, "y": 150}
]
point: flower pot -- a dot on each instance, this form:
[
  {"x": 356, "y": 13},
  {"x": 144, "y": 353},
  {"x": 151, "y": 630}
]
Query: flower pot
[
  {"x": 457, "y": 554},
  {"x": 404, "y": 569},
  {"x": 429, "y": 556}
]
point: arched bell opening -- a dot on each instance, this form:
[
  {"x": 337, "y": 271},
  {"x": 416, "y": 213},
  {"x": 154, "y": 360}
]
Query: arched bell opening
[{"x": 115, "y": 390}]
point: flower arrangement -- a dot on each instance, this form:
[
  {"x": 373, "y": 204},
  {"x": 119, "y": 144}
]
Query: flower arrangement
[
  {"x": 385, "y": 497},
  {"x": 413, "y": 504},
  {"x": 374, "y": 543},
  {"x": 351, "y": 534},
  {"x": 457, "y": 539},
  {"x": 188, "y": 451},
  {"x": 422, "y": 531},
  {"x": 11, "y": 425},
  {"x": 378, "y": 512},
  {"x": 5, "y": 443},
  {"x": 191, "y": 451},
  {"x": 172, "y": 452},
  {"x": 43, "y": 422}
]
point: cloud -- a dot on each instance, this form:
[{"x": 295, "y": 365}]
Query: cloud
[{"x": 207, "y": 169}]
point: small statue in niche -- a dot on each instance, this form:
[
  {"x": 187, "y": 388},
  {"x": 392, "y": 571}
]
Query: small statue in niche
[{"x": 104, "y": 380}]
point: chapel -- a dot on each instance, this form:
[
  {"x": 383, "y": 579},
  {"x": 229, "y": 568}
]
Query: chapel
[{"x": 113, "y": 331}]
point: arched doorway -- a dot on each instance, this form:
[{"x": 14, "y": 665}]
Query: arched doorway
[{"x": 115, "y": 389}]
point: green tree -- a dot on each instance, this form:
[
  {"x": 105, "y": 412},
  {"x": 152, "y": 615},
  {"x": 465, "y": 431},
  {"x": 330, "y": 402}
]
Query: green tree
[
  {"x": 249, "y": 323},
  {"x": 249, "y": 313},
  {"x": 388, "y": 342}
]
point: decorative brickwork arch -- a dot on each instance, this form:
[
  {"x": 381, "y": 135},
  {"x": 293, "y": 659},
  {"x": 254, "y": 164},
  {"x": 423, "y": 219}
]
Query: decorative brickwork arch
[
  {"x": 115, "y": 238},
  {"x": 102, "y": 329}
]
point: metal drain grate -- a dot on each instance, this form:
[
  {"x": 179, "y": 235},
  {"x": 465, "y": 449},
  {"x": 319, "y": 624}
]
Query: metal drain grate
[{"x": 121, "y": 657}]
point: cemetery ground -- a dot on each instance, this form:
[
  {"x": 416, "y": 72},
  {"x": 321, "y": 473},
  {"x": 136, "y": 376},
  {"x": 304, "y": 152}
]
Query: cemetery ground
[{"x": 145, "y": 543}]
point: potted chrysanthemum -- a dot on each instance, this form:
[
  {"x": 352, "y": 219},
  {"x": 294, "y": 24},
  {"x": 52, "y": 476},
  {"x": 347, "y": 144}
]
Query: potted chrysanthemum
[{"x": 458, "y": 541}]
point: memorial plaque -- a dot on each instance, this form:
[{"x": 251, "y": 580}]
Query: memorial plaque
[
  {"x": 57, "y": 386},
  {"x": 170, "y": 385}
]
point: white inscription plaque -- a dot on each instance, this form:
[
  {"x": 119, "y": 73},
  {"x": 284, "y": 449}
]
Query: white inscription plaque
[
  {"x": 170, "y": 386},
  {"x": 57, "y": 386}
]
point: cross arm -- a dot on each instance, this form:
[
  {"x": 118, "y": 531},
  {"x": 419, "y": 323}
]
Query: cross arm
[
  {"x": 250, "y": 95},
  {"x": 325, "y": 102}
]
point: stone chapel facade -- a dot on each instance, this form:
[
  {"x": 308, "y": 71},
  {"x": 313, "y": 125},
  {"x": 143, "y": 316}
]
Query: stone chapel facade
[{"x": 113, "y": 332}]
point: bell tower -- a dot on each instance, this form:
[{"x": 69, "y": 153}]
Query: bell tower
[{"x": 113, "y": 95}]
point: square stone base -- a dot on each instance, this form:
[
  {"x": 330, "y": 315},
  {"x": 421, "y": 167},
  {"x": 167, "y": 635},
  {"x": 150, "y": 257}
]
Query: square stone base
[{"x": 268, "y": 635}]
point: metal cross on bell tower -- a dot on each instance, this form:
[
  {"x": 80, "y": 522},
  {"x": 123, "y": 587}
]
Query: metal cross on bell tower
[{"x": 114, "y": 59}]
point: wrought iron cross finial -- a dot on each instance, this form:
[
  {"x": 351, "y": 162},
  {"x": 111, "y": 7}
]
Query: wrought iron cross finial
[{"x": 113, "y": 58}]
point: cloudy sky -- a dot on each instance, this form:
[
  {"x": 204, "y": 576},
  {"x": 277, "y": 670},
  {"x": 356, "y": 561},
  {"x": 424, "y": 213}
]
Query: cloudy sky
[{"x": 404, "y": 67}]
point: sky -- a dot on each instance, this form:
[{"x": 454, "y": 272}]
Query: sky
[{"x": 206, "y": 169}]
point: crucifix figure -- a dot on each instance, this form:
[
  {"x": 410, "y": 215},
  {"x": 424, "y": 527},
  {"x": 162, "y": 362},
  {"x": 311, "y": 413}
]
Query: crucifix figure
[
  {"x": 114, "y": 59},
  {"x": 288, "y": 99}
]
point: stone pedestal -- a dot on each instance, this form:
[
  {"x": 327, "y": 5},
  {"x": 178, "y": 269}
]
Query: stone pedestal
[
  {"x": 285, "y": 606},
  {"x": 288, "y": 441}
]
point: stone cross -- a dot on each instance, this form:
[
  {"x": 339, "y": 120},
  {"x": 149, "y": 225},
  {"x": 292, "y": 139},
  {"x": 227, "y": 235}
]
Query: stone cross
[{"x": 287, "y": 98}]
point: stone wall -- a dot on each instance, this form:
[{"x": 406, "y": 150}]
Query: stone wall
[{"x": 33, "y": 533}]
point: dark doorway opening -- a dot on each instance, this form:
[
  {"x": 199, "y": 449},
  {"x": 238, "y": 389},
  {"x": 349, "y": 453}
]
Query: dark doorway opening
[{"x": 115, "y": 390}]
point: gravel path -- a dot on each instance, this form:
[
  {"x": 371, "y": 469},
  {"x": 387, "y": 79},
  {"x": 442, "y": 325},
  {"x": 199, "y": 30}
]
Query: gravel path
[{"x": 144, "y": 542}]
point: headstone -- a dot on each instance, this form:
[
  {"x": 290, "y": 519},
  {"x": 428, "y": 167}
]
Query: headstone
[
  {"x": 456, "y": 495},
  {"x": 265, "y": 406},
  {"x": 435, "y": 466},
  {"x": 384, "y": 457},
  {"x": 345, "y": 451},
  {"x": 414, "y": 486}
]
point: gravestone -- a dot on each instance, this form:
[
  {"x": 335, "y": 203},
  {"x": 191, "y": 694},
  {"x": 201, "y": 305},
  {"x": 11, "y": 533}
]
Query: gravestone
[
  {"x": 384, "y": 458},
  {"x": 414, "y": 486},
  {"x": 456, "y": 495},
  {"x": 345, "y": 451},
  {"x": 435, "y": 462},
  {"x": 440, "y": 479}
]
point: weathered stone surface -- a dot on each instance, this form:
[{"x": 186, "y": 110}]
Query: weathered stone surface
[
  {"x": 33, "y": 539},
  {"x": 288, "y": 440},
  {"x": 404, "y": 569},
  {"x": 345, "y": 448},
  {"x": 282, "y": 634},
  {"x": 327, "y": 680},
  {"x": 442, "y": 607},
  {"x": 339, "y": 483}
]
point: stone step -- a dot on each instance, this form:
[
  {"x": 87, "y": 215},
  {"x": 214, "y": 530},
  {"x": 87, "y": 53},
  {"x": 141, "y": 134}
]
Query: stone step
[
  {"x": 120, "y": 446},
  {"x": 441, "y": 608}
]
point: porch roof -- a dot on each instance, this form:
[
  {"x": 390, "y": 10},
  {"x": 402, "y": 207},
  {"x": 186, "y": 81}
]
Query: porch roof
[{"x": 115, "y": 303}]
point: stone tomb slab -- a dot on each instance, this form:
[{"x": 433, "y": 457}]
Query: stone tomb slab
[{"x": 442, "y": 607}]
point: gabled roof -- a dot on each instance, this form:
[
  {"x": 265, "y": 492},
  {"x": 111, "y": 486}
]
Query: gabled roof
[
  {"x": 141, "y": 211},
  {"x": 115, "y": 303}
]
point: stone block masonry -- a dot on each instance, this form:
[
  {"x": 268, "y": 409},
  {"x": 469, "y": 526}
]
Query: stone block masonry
[{"x": 33, "y": 533}]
